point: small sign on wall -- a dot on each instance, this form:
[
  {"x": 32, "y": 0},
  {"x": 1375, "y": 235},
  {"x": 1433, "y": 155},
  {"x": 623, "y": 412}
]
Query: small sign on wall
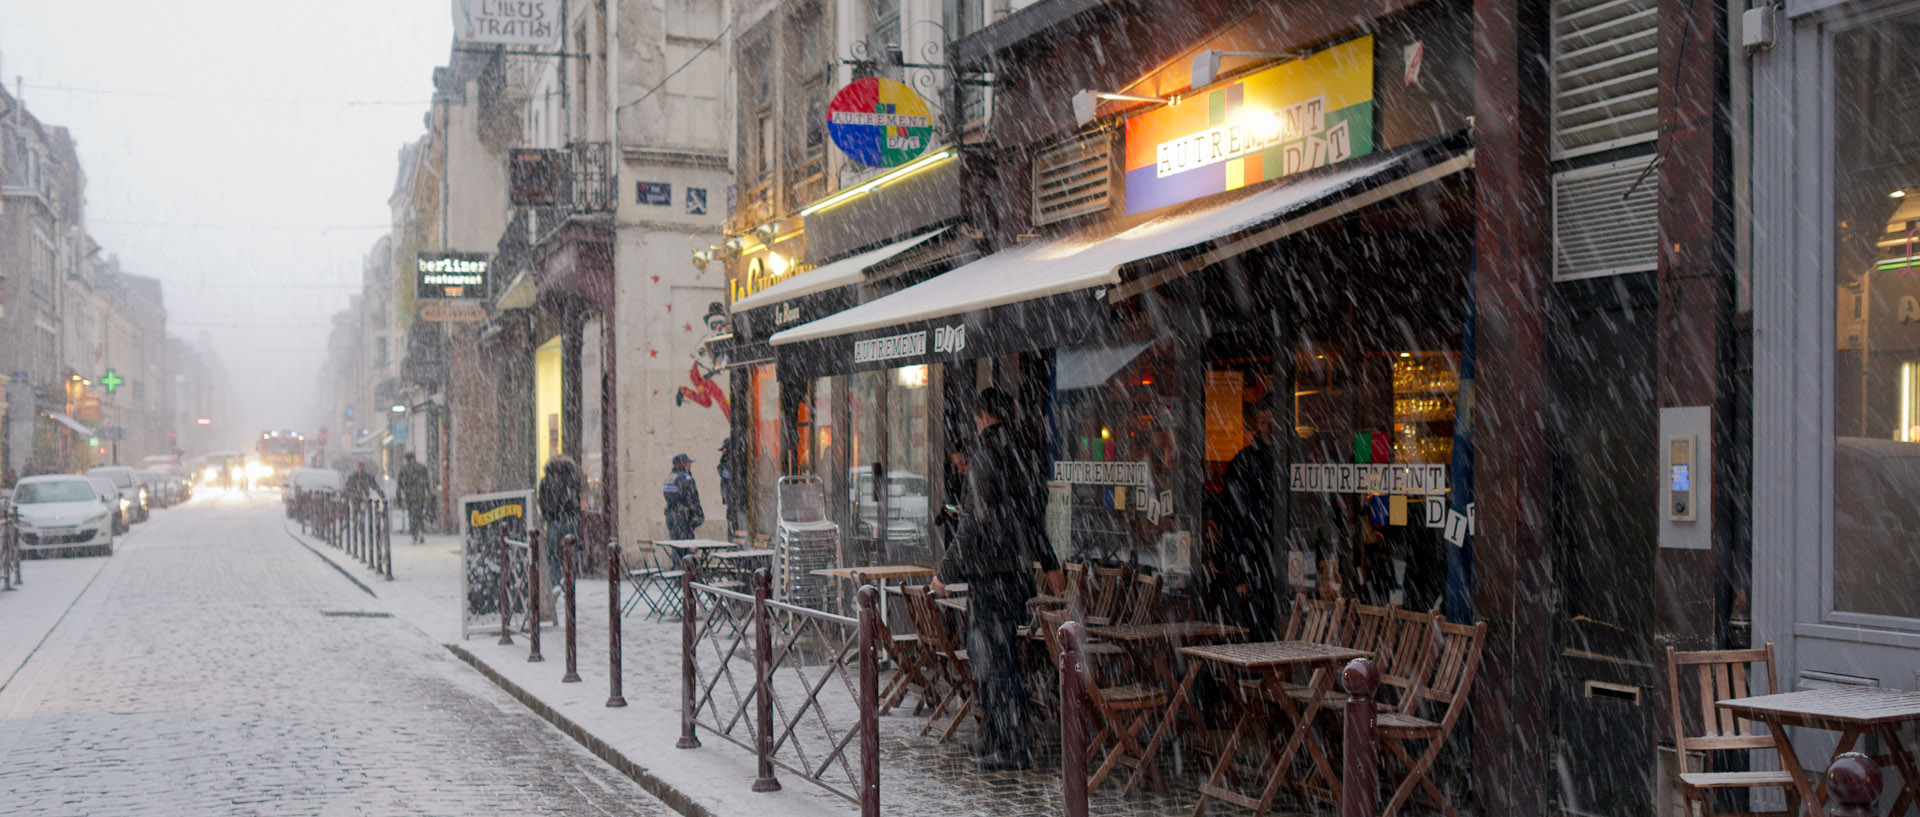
[{"x": 654, "y": 194}]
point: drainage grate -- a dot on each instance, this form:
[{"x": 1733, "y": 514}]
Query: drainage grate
[{"x": 354, "y": 614}]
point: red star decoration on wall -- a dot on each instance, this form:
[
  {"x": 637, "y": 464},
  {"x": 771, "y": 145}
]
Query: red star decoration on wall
[
  {"x": 656, "y": 392},
  {"x": 656, "y": 278},
  {"x": 669, "y": 308},
  {"x": 653, "y": 353},
  {"x": 686, "y": 327}
]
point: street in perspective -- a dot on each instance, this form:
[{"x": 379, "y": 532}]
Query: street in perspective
[{"x": 1051, "y": 408}]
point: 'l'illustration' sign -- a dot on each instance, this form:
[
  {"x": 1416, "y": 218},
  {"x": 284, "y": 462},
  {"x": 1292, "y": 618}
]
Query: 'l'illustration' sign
[{"x": 1292, "y": 117}]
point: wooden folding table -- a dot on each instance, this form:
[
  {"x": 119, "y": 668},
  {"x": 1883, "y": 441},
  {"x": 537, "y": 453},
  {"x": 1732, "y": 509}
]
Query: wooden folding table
[{"x": 1850, "y": 710}]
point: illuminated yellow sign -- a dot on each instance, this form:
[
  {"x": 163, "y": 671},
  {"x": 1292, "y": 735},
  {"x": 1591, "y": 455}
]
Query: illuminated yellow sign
[{"x": 479, "y": 519}]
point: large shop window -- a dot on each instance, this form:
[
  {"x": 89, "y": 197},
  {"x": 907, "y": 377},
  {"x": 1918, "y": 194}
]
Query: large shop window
[
  {"x": 1117, "y": 404},
  {"x": 1876, "y": 208}
]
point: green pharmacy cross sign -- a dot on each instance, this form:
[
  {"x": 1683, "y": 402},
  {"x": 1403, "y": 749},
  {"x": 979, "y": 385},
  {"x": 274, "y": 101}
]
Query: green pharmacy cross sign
[{"x": 112, "y": 381}]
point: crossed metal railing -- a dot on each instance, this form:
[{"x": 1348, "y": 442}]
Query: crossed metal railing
[
  {"x": 794, "y": 685},
  {"x": 9, "y": 546},
  {"x": 360, "y": 526}
]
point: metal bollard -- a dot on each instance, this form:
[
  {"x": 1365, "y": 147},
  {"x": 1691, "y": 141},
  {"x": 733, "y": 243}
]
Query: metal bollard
[
  {"x": 689, "y": 676},
  {"x": 566, "y": 585},
  {"x": 763, "y": 681},
  {"x": 535, "y": 589},
  {"x": 1359, "y": 770},
  {"x": 614, "y": 698},
  {"x": 386, "y": 538},
  {"x": 1854, "y": 779},
  {"x": 1073, "y": 721},
  {"x": 506, "y": 592},
  {"x": 869, "y": 701}
]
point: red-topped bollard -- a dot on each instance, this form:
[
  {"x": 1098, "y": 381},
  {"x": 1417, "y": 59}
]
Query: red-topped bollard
[
  {"x": 615, "y": 697},
  {"x": 1073, "y": 721},
  {"x": 1855, "y": 781},
  {"x": 689, "y": 674},
  {"x": 764, "y": 781},
  {"x": 869, "y": 598},
  {"x": 1359, "y": 770},
  {"x": 506, "y": 591},
  {"x": 566, "y": 586},
  {"x": 535, "y": 589}
]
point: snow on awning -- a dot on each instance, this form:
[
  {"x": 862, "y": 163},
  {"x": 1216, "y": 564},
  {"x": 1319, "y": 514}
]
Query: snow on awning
[
  {"x": 1094, "y": 257},
  {"x": 71, "y": 423},
  {"x": 849, "y": 270}
]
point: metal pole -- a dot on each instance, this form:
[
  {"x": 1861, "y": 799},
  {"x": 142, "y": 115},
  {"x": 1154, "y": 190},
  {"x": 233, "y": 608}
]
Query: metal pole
[
  {"x": 506, "y": 592},
  {"x": 566, "y": 584},
  {"x": 763, "y": 681},
  {"x": 869, "y": 701},
  {"x": 614, "y": 698},
  {"x": 689, "y": 675},
  {"x": 1359, "y": 771},
  {"x": 1854, "y": 779},
  {"x": 386, "y": 535},
  {"x": 1073, "y": 722},
  {"x": 535, "y": 589}
]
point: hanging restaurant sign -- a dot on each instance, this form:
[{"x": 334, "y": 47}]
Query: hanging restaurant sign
[
  {"x": 1293, "y": 117},
  {"x": 879, "y": 122},
  {"x": 451, "y": 275},
  {"x": 506, "y": 22}
]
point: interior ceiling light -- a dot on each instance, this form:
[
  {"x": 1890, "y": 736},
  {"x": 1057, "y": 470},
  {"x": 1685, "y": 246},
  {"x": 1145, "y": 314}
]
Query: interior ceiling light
[
  {"x": 1086, "y": 104},
  {"x": 1206, "y": 64}
]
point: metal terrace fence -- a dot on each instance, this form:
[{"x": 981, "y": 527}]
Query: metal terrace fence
[
  {"x": 362, "y": 527},
  {"x": 793, "y": 685}
]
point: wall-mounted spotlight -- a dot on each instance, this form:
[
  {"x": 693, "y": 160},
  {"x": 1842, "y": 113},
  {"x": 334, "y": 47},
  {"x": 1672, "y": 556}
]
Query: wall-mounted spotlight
[
  {"x": 1206, "y": 64},
  {"x": 1086, "y": 104}
]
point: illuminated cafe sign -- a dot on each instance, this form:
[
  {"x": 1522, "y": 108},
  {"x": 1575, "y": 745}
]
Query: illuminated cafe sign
[
  {"x": 451, "y": 275},
  {"x": 947, "y": 340},
  {"x": 1294, "y": 117}
]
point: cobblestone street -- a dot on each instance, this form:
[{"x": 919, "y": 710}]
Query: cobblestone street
[{"x": 215, "y": 667}]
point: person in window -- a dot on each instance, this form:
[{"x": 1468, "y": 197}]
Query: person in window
[
  {"x": 1001, "y": 533},
  {"x": 1240, "y": 570}
]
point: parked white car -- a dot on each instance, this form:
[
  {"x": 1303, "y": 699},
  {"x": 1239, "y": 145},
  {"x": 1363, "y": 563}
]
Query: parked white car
[
  {"x": 111, "y": 496},
  {"x": 63, "y": 512}
]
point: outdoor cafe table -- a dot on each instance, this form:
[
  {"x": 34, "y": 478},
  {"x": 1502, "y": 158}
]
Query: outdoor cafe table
[
  {"x": 699, "y": 547},
  {"x": 1153, "y": 646},
  {"x": 879, "y": 575},
  {"x": 1850, "y": 710},
  {"x": 742, "y": 562},
  {"x": 1270, "y": 660}
]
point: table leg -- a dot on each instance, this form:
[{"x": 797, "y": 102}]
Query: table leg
[
  {"x": 1223, "y": 763},
  {"x": 1302, "y": 722},
  {"x": 1166, "y": 723},
  {"x": 1909, "y": 773},
  {"x": 1791, "y": 762}
]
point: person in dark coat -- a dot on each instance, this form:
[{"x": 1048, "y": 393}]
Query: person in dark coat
[
  {"x": 559, "y": 508},
  {"x": 415, "y": 487},
  {"x": 360, "y": 483},
  {"x": 1241, "y": 589},
  {"x": 684, "y": 513},
  {"x": 1002, "y": 532}
]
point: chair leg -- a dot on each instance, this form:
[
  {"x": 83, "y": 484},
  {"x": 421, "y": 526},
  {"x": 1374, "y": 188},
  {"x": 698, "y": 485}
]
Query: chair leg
[
  {"x": 1416, "y": 777},
  {"x": 959, "y": 716}
]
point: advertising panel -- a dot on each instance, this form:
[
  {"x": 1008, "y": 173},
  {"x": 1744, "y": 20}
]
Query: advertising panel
[
  {"x": 1293, "y": 117},
  {"x": 486, "y": 520},
  {"x": 506, "y": 22},
  {"x": 442, "y": 275},
  {"x": 879, "y": 122}
]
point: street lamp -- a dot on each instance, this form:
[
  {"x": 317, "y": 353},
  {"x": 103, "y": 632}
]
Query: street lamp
[{"x": 399, "y": 409}]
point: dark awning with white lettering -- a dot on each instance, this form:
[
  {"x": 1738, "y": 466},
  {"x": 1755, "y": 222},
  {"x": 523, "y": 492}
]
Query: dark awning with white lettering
[{"x": 1055, "y": 292}]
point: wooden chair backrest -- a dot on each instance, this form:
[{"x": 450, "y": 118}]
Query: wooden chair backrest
[
  {"x": 1050, "y": 621},
  {"x": 1316, "y": 620},
  {"x": 1109, "y": 586},
  {"x": 920, "y": 610},
  {"x": 1366, "y": 626},
  {"x": 1143, "y": 606},
  {"x": 1454, "y": 667},
  {"x": 1407, "y": 651},
  {"x": 1076, "y": 585},
  {"x": 1719, "y": 674}
]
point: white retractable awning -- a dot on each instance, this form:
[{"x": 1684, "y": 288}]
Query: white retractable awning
[
  {"x": 848, "y": 270},
  {"x": 71, "y": 423},
  {"x": 1094, "y": 257}
]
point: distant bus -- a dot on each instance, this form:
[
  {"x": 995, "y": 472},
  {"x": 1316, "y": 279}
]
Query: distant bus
[{"x": 279, "y": 452}]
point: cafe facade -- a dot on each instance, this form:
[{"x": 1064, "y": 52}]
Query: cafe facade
[{"x": 1295, "y": 241}]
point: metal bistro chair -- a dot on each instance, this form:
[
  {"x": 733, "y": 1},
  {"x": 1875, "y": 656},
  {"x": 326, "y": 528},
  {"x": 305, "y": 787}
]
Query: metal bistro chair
[
  {"x": 655, "y": 582},
  {"x": 1722, "y": 674}
]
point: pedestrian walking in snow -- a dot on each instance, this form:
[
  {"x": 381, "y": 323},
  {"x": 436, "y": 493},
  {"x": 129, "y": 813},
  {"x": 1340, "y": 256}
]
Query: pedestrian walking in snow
[
  {"x": 559, "y": 508},
  {"x": 416, "y": 493}
]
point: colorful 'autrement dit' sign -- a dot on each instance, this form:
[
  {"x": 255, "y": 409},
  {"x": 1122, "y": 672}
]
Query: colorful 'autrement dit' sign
[
  {"x": 879, "y": 123},
  {"x": 1292, "y": 117}
]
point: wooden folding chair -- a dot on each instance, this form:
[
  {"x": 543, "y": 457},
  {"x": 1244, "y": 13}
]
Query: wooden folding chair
[
  {"x": 1454, "y": 667},
  {"x": 1143, "y": 601},
  {"x": 951, "y": 665},
  {"x": 1316, "y": 620},
  {"x": 1363, "y": 627},
  {"x": 1722, "y": 674},
  {"x": 1109, "y": 588},
  {"x": 1125, "y": 714},
  {"x": 912, "y": 668}
]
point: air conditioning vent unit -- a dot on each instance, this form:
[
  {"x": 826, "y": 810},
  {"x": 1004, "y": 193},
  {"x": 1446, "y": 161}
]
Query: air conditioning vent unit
[
  {"x": 1073, "y": 178},
  {"x": 1606, "y": 65},
  {"x": 1598, "y": 228}
]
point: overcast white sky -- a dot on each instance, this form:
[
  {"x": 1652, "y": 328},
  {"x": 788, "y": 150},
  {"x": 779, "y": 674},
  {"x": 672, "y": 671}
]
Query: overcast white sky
[{"x": 241, "y": 151}]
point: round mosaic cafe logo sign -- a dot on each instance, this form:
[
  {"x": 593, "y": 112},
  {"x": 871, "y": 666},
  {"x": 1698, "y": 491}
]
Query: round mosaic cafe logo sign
[{"x": 879, "y": 122}]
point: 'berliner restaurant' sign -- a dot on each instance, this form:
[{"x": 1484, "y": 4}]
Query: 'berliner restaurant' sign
[
  {"x": 451, "y": 275},
  {"x": 1295, "y": 116}
]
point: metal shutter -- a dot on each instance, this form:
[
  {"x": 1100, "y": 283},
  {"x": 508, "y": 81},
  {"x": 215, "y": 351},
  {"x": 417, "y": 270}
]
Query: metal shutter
[
  {"x": 1605, "y": 74},
  {"x": 1595, "y": 230},
  {"x": 1073, "y": 178}
]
